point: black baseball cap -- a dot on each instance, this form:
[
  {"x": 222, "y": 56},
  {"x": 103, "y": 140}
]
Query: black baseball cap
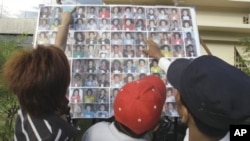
[{"x": 215, "y": 92}]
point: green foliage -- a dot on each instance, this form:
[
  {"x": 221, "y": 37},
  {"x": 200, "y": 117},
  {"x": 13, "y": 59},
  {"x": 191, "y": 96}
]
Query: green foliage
[
  {"x": 9, "y": 104},
  {"x": 245, "y": 58}
]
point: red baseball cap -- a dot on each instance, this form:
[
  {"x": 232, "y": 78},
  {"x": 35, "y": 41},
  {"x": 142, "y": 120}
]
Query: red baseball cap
[{"x": 138, "y": 104}]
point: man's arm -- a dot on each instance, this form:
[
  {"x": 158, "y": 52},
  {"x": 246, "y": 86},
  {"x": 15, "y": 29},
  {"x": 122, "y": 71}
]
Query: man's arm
[
  {"x": 63, "y": 29},
  {"x": 154, "y": 51}
]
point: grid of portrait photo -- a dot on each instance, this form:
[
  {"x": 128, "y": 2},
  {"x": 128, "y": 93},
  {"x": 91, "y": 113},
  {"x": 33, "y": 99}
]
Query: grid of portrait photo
[{"x": 104, "y": 48}]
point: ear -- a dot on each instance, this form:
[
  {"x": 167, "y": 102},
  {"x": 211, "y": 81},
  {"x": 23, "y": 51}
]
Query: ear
[{"x": 183, "y": 112}]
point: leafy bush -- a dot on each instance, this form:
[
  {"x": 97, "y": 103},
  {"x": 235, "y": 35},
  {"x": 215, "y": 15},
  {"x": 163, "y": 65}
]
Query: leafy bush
[
  {"x": 245, "y": 57},
  {"x": 9, "y": 105}
]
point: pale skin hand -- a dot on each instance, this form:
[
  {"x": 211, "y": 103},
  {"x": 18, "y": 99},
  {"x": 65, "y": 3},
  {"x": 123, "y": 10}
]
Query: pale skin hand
[{"x": 152, "y": 50}]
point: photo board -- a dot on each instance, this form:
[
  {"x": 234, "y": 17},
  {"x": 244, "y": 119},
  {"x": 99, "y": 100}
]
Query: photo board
[{"x": 104, "y": 49}]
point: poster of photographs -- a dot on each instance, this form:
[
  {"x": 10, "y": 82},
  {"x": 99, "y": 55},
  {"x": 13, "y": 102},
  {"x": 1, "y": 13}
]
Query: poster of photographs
[{"x": 104, "y": 49}]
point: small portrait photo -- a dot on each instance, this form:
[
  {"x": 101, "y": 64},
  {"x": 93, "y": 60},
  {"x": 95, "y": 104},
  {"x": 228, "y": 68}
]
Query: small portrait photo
[
  {"x": 52, "y": 37},
  {"x": 163, "y": 13},
  {"x": 156, "y": 36},
  {"x": 54, "y": 23},
  {"x": 166, "y": 50},
  {"x": 170, "y": 109},
  {"x": 43, "y": 38},
  {"x": 140, "y": 13},
  {"x": 71, "y": 39},
  {"x": 103, "y": 51},
  {"x": 104, "y": 38},
  {"x": 177, "y": 39},
  {"x": 191, "y": 51},
  {"x": 116, "y": 38},
  {"x": 128, "y": 51},
  {"x": 79, "y": 12},
  {"x": 77, "y": 80},
  {"x": 75, "y": 110},
  {"x": 45, "y": 12},
  {"x": 91, "y": 37},
  {"x": 127, "y": 12},
  {"x": 92, "y": 24},
  {"x": 128, "y": 38},
  {"x": 102, "y": 111},
  {"x": 128, "y": 25},
  {"x": 154, "y": 68},
  {"x": 166, "y": 38},
  {"x": 178, "y": 51},
  {"x": 129, "y": 78},
  {"x": 104, "y": 12},
  {"x": 174, "y": 14},
  {"x": 116, "y": 24},
  {"x": 170, "y": 95},
  {"x": 116, "y": 51},
  {"x": 79, "y": 24},
  {"x": 79, "y": 38},
  {"x": 75, "y": 95},
  {"x": 44, "y": 24},
  {"x": 113, "y": 94},
  {"x": 90, "y": 80},
  {"x": 142, "y": 66},
  {"x": 116, "y": 12},
  {"x": 102, "y": 96},
  {"x": 89, "y": 95},
  {"x": 151, "y": 13},
  {"x": 185, "y": 14},
  {"x": 90, "y": 65},
  {"x": 140, "y": 38},
  {"x": 152, "y": 25},
  {"x": 187, "y": 26},
  {"x": 91, "y": 12},
  {"x": 175, "y": 25},
  {"x": 78, "y": 51},
  {"x": 139, "y": 51},
  {"x": 89, "y": 110},
  {"x": 129, "y": 66},
  {"x": 103, "y": 65},
  {"x": 104, "y": 24},
  {"x": 78, "y": 66},
  {"x": 116, "y": 66},
  {"x": 117, "y": 80},
  {"x": 189, "y": 39},
  {"x": 163, "y": 25},
  {"x": 56, "y": 12},
  {"x": 104, "y": 79},
  {"x": 140, "y": 25},
  {"x": 91, "y": 51}
]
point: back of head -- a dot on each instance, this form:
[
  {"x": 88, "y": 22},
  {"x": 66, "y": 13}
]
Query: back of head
[
  {"x": 216, "y": 93},
  {"x": 138, "y": 104},
  {"x": 39, "y": 78}
]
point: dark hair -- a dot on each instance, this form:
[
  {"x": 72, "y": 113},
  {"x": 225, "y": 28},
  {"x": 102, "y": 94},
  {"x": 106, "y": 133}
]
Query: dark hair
[
  {"x": 128, "y": 75},
  {"x": 162, "y": 47},
  {"x": 118, "y": 8},
  {"x": 33, "y": 76},
  {"x": 75, "y": 91},
  {"x": 89, "y": 90}
]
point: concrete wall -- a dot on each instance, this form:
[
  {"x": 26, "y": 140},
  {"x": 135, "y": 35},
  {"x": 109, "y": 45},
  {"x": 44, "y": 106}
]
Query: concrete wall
[{"x": 17, "y": 26}]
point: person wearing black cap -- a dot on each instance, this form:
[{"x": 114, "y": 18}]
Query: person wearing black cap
[{"x": 211, "y": 95}]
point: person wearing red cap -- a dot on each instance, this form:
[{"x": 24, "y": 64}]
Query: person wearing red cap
[
  {"x": 211, "y": 95},
  {"x": 137, "y": 111}
]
